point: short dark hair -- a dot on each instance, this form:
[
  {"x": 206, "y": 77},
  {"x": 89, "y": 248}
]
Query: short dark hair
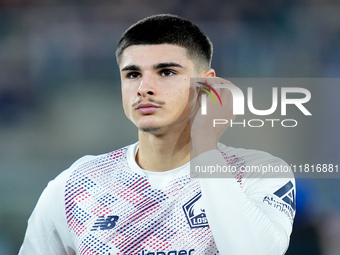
[{"x": 171, "y": 29}]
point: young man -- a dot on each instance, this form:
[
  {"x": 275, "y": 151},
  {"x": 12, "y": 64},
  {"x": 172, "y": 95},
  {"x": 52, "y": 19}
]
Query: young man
[{"x": 141, "y": 199}]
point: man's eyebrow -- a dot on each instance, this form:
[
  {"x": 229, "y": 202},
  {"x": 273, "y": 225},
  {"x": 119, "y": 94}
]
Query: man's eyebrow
[
  {"x": 131, "y": 68},
  {"x": 156, "y": 66},
  {"x": 167, "y": 64}
]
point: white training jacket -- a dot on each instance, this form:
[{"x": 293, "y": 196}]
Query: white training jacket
[{"x": 108, "y": 205}]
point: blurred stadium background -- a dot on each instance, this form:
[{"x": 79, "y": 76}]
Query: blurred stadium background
[{"x": 60, "y": 93}]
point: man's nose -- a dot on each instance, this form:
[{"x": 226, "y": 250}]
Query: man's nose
[{"x": 146, "y": 87}]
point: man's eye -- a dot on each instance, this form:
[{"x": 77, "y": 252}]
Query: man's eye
[
  {"x": 167, "y": 72},
  {"x": 133, "y": 75}
]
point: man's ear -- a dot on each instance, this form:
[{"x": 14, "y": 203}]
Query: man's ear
[{"x": 208, "y": 73}]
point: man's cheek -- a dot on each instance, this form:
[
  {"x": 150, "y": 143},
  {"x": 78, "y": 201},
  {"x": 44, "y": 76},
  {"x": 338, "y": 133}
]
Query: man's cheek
[{"x": 127, "y": 110}]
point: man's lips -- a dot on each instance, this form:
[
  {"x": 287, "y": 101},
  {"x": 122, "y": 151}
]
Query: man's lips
[{"x": 147, "y": 108}]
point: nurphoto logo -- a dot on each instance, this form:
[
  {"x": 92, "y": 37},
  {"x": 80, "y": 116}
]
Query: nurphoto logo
[{"x": 295, "y": 96}]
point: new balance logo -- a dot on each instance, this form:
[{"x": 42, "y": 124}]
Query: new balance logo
[
  {"x": 105, "y": 223},
  {"x": 287, "y": 194}
]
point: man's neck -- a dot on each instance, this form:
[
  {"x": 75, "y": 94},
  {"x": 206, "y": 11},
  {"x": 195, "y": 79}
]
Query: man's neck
[{"x": 164, "y": 151}]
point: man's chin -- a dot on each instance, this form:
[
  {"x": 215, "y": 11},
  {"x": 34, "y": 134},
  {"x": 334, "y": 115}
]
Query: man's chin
[{"x": 150, "y": 129}]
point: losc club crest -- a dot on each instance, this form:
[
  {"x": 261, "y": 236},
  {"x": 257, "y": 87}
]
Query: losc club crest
[{"x": 195, "y": 213}]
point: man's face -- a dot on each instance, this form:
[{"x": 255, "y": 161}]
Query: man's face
[{"x": 155, "y": 85}]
